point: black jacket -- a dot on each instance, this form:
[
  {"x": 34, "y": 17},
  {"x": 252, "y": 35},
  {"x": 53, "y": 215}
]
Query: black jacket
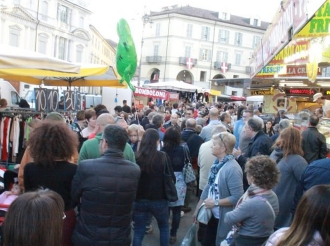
[
  {"x": 260, "y": 145},
  {"x": 107, "y": 188},
  {"x": 313, "y": 144},
  {"x": 193, "y": 141}
]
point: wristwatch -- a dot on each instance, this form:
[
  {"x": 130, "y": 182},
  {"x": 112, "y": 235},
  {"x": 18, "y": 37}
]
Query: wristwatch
[{"x": 216, "y": 202}]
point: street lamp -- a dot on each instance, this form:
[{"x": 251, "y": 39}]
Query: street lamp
[{"x": 145, "y": 19}]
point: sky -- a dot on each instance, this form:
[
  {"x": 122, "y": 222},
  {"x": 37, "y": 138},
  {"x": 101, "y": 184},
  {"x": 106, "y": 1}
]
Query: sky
[{"x": 107, "y": 13}]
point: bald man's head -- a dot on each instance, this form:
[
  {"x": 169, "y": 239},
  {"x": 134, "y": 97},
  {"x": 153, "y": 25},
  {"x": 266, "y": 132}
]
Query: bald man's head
[
  {"x": 191, "y": 123},
  {"x": 214, "y": 114},
  {"x": 122, "y": 123},
  {"x": 105, "y": 119}
]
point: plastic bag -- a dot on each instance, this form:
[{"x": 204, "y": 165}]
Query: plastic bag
[{"x": 190, "y": 237}]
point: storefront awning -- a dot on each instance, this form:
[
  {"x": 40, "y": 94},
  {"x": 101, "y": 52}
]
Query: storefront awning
[{"x": 215, "y": 93}]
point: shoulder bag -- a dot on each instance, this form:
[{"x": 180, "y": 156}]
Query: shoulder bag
[
  {"x": 204, "y": 214},
  {"x": 169, "y": 185},
  {"x": 187, "y": 171}
]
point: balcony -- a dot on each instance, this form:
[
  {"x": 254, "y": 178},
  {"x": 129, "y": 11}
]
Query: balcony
[
  {"x": 183, "y": 61},
  {"x": 218, "y": 64},
  {"x": 154, "y": 59}
]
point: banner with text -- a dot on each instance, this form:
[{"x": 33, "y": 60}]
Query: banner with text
[{"x": 164, "y": 95}]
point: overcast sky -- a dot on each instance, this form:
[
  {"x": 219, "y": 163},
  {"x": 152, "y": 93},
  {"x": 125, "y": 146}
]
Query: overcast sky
[{"x": 107, "y": 13}]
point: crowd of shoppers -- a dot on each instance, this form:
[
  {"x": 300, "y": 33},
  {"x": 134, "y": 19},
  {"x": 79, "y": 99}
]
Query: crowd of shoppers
[{"x": 105, "y": 173}]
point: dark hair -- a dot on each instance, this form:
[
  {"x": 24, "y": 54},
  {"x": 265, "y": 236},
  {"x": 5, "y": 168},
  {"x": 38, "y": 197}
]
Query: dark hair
[
  {"x": 52, "y": 141},
  {"x": 312, "y": 214},
  {"x": 240, "y": 112},
  {"x": 124, "y": 101},
  {"x": 34, "y": 219},
  {"x": 313, "y": 120},
  {"x": 175, "y": 105},
  {"x": 147, "y": 153},
  {"x": 172, "y": 138},
  {"x": 98, "y": 108},
  {"x": 158, "y": 120},
  {"x": 264, "y": 171},
  {"x": 183, "y": 124},
  {"x": 115, "y": 136},
  {"x": 89, "y": 113},
  {"x": 23, "y": 104},
  {"x": 254, "y": 124},
  {"x": 118, "y": 108},
  {"x": 102, "y": 111},
  {"x": 148, "y": 111}
]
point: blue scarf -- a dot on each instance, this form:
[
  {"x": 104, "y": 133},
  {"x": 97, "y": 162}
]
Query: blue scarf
[{"x": 216, "y": 166}]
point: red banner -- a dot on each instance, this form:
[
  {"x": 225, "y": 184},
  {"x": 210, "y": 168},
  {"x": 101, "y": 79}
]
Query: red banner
[{"x": 164, "y": 95}]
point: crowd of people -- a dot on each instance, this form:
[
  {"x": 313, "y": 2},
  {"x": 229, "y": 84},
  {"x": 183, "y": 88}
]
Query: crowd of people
[{"x": 95, "y": 180}]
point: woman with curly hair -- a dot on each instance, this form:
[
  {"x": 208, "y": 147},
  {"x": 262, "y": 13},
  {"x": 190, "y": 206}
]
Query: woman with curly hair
[
  {"x": 254, "y": 228},
  {"x": 288, "y": 155},
  {"x": 311, "y": 224},
  {"x": 51, "y": 145}
]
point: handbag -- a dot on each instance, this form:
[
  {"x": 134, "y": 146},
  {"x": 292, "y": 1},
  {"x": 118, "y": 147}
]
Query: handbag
[
  {"x": 170, "y": 190},
  {"x": 190, "y": 237},
  {"x": 204, "y": 214},
  {"x": 187, "y": 171}
]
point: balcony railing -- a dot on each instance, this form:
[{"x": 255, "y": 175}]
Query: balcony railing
[
  {"x": 183, "y": 61},
  {"x": 218, "y": 64},
  {"x": 154, "y": 59}
]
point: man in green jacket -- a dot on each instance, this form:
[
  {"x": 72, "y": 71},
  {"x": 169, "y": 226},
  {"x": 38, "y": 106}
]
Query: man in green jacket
[{"x": 91, "y": 148}]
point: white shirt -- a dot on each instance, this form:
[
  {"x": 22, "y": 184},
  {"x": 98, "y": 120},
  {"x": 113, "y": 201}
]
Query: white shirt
[{"x": 326, "y": 107}]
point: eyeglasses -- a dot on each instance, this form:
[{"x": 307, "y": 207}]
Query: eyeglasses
[{"x": 221, "y": 138}]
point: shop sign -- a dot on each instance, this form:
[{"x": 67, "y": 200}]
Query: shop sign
[
  {"x": 298, "y": 71},
  {"x": 173, "y": 96},
  {"x": 275, "y": 38},
  {"x": 295, "y": 52},
  {"x": 299, "y": 92},
  {"x": 151, "y": 93},
  {"x": 271, "y": 70},
  {"x": 318, "y": 26},
  {"x": 262, "y": 92},
  {"x": 300, "y": 14}
]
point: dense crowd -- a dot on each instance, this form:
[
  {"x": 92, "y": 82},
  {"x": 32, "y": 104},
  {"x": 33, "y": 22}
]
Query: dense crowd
[{"x": 262, "y": 181}]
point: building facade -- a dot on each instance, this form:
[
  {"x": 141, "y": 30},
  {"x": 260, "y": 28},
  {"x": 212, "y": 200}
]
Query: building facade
[
  {"x": 58, "y": 28},
  {"x": 196, "y": 45}
]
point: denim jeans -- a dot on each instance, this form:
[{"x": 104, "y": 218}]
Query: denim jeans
[
  {"x": 159, "y": 209},
  {"x": 176, "y": 217}
]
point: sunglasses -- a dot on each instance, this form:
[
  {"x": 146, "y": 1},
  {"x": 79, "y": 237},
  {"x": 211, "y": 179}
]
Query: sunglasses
[{"x": 221, "y": 138}]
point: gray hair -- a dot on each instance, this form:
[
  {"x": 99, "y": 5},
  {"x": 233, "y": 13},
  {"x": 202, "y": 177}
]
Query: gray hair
[
  {"x": 218, "y": 129},
  {"x": 285, "y": 123}
]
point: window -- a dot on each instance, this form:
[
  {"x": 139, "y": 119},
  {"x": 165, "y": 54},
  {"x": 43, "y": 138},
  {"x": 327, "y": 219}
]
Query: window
[
  {"x": 62, "y": 48},
  {"x": 156, "y": 50},
  {"x": 255, "y": 22},
  {"x": 238, "y": 59},
  {"x": 205, "y": 55},
  {"x": 189, "y": 30},
  {"x": 14, "y": 35},
  {"x": 157, "y": 30},
  {"x": 14, "y": 98},
  {"x": 44, "y": 10},
  {"x": 224, "y": 15},
  {"x": 79, "y": 53},
  {"x": 81, "y": 22},
  {"x": 63, "y": 13},
  {"x": 42, "y": 43},
  {"x": 223, "y": 36},
  {"x": 238, "y": 38},
  {"x": 187, "y": 51},
  {"x": 205, "y": 33},
  {"x": 202, "y": 76},
  {"x": 256, "y": 41},
  {"x": 222, "y": 56}
]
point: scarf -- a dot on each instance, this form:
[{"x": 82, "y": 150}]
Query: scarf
[
  {"x": 216, "y": 166},
  {"x": 252, "y": 191}
]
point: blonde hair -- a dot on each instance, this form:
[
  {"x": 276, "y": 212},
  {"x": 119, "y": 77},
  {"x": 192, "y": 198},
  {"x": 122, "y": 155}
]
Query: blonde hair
[
  {"x": 133, "y": 128},
  {"x": 227, "y": 139}
]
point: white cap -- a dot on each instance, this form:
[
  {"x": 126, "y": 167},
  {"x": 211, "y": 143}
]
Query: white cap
[{"x": 317, "y": 96}]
